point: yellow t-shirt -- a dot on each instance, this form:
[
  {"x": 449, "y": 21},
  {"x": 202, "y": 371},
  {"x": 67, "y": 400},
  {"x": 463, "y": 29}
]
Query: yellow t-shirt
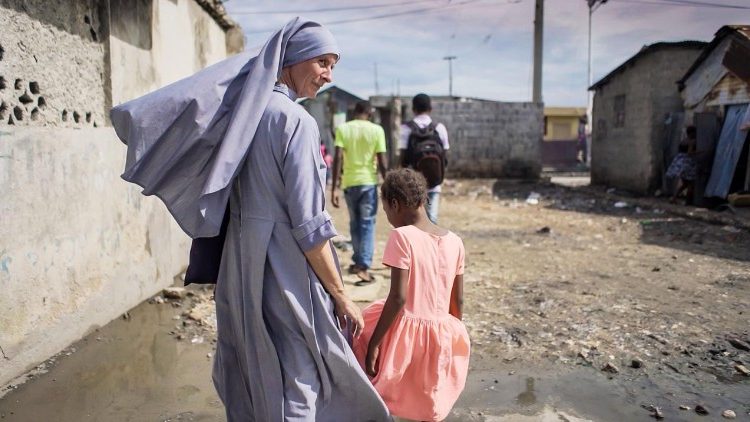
[{"x": 360, "y": 140}]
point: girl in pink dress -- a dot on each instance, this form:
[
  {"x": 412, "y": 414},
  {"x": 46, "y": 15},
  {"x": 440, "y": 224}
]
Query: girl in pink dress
[{"x": 414, "y": 346}]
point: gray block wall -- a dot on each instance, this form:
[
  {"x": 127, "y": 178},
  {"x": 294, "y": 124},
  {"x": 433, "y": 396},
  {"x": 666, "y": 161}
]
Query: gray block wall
[
  {"x": 631, "y": 157},
  {"x": 490, "y": 138}
]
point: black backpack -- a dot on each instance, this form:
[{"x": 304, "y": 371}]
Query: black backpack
[{"x": 425, "y": 153}]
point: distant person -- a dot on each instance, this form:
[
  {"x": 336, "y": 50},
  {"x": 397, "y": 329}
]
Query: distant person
[
  {"x": 414, "y": 346},
  {"x": 684, "y": 167},
  {"x": 423, "y": 145},
  {"x": 581, "y": 154},
  {"x": 328, "y": 159},
  {"x": 360, "y": 148}
]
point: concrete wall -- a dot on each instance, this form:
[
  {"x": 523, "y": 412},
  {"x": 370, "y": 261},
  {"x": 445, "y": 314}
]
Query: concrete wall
[
  {"x": 182, "y": 39},
  {"x": 490, "y": 138},
  {"x": 52, "y": 65},
  {"x": 80, "y": 246},
  {"x": 629, "y": 157}
]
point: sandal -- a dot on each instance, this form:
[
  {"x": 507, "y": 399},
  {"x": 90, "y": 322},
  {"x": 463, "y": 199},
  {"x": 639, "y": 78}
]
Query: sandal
[
  {"x": 365, "y": 278},
  {"x": 355, "y": 269}
]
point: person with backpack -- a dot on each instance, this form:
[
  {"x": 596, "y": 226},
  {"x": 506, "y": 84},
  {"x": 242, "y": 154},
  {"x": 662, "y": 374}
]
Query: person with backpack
[{"x": 423, "y": 146}]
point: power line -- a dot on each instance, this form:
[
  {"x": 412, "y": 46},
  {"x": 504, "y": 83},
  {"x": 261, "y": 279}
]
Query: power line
[
  {"x": 395, "y": 14},
  {"x": 687, "y": 3},
  {"x": 328, "y": 9}
]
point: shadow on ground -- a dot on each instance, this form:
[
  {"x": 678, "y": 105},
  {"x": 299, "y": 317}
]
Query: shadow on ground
[{"x": 658, "y": 227}]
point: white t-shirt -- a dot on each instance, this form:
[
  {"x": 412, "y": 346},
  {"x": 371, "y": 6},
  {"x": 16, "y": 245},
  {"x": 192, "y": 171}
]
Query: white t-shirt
[{"x": 422, "y": 121}]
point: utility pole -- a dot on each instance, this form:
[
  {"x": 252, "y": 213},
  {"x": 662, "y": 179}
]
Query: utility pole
[
  {"x": 377, "y": 88},
  {"x": 593, "y": 5},
  {"x": 450, "y": 73},
  {"x": 538, "y": 50}
]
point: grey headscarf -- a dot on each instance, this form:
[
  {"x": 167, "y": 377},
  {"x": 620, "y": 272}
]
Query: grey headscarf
[{"x": 187, "y": 141}]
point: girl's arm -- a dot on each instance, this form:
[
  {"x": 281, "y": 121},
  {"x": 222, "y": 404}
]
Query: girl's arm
[
  {"x": 457, "y": 297},
  {"x": 393, "y": 305},
  {"x": 321, "y": 260}
]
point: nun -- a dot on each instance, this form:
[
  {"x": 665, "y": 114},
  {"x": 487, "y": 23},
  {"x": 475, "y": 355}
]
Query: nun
[{"x": 230, "y": 145}]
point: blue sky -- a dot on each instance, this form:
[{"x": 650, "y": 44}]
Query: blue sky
[{"x": 492, "y": 39}]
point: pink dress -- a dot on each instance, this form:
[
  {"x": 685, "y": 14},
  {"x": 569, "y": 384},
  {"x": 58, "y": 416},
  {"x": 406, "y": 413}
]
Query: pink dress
[{"x": 424, "y": 357}]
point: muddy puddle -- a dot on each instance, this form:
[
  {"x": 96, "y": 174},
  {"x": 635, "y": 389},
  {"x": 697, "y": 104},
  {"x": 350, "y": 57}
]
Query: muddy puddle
[
  {"x": 130, "y": 370},
  {"x": 137, "y": 369}
]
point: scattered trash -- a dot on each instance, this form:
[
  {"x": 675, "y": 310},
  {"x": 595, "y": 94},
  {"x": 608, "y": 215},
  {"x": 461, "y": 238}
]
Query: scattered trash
[
  {"x": 729, "y": 414},
  {"x": 655, "y": 411},
  {"x": 158, "y": 300},
  {"x": 544, "y": 230},
  {"x": 533, "y": 198},
  {"x": 621, "y": 204},
  {"x": 684, "y": 407},
  {"x": 197, "y": 340}
]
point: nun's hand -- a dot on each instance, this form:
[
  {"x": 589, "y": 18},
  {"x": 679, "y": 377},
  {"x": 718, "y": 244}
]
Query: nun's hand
[{"x": 345, "y": 308}]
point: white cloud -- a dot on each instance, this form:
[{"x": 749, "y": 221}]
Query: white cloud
[{"x": 493, "y": 40}]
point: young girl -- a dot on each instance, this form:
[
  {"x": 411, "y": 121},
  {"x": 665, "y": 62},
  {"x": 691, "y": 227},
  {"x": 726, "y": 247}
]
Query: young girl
[{"x": 414, "y": 346}]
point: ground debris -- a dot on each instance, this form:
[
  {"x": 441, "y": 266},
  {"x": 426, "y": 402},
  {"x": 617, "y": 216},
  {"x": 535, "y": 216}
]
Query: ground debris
[
  {"x": 174, "y": 292},
  {"x": 655, "y": 411},
  {"x": 739, "y": 344},
  {"x": 611, "y": 368},
  {"x": 701, "y": 410},
  {"x": 742, "y": 369},
  {"x": 729, "y": 414}
]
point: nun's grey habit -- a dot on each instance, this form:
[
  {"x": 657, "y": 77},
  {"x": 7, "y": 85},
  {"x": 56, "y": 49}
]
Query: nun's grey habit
[{"x": 230, "y": 134}]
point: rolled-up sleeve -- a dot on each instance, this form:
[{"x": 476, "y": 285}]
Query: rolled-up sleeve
[{"x": 304, "y": 187}]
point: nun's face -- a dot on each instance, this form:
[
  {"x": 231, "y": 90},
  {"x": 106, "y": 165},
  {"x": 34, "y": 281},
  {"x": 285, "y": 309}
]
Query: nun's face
[{"x": 309, "y": 76}]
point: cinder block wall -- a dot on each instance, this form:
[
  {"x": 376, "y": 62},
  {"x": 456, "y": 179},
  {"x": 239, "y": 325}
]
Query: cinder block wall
[
  {"x": 52, "y": 65},
  {"x": 490, "y": 138},
  {"x": 630, "y": 157}
]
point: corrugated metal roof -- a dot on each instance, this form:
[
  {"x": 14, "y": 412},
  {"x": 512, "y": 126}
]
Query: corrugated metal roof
[
  {"x": 693, "y": 45},
  {"x": 741, "y": 31}
]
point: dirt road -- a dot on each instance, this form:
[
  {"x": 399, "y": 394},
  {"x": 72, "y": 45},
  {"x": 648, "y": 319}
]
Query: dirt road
[{"x": 579, "y": 309}]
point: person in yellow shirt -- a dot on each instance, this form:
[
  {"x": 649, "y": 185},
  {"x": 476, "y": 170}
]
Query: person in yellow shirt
[{"x": 360, "y": 150}]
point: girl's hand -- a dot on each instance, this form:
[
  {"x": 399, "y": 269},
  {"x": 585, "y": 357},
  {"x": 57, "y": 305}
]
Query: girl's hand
[
  {"x": 345, "y": 308},
  {"x": 371, "y": 361}
]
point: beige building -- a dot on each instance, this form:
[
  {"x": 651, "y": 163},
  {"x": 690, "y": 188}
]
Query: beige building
[
  {"x": 80, "y": 246},
  {"x": 561, "y": 148}
]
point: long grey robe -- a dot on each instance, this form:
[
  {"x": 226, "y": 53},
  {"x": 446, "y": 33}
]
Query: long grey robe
[{"x": 281, "y": 355}]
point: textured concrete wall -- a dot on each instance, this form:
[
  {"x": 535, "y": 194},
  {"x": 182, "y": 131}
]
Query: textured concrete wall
[
  {"x": 80, "y": 246},
  {"x": 52, "y": 64},
  {"x": 157, "y": 42},
  {"x": 630, "y": 157},
  {"x": 490, "y": 138}
]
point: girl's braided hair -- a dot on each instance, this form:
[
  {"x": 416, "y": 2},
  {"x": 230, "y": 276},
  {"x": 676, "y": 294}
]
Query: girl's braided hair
[{"x": 406, "y": 186}]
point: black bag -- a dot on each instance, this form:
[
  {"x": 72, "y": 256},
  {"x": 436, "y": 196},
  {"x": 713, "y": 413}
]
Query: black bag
[
  {"x": 205, "y": 256},
  {"x": 425, "y": 153}
]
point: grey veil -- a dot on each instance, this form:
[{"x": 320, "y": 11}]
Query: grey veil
[{"x": 186, "y": 141}]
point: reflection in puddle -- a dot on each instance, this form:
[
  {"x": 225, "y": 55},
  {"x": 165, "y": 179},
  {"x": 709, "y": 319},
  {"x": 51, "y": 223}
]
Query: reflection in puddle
[{"x": 527, "y": 398}]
